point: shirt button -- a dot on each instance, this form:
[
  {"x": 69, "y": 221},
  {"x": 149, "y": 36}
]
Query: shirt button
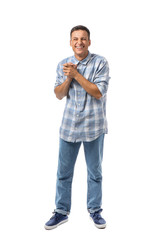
[{"x": 77, "y": 115}]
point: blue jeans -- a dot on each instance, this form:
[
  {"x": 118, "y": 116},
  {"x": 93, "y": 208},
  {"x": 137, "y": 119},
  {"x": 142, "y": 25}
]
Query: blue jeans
[{"x": 68, "y": 152}]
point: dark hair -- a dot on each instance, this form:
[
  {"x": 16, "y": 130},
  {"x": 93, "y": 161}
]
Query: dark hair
[{"x": 80, "y": 27}]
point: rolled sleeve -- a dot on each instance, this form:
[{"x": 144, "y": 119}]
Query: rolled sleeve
[
  {"x": 101, "y": 79},
  {"x": 60, "y": 76}
]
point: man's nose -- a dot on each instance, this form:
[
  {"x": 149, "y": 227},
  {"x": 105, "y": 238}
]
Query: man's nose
[{"x": 79, "y": 41}]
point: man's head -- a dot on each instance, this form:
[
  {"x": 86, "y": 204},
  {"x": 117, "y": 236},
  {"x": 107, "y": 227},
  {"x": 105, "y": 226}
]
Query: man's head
[
  {"x": 80, "y": 27},
  {"x": 80, "y": 41}
]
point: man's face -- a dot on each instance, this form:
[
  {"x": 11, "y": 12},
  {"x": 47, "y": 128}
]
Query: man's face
[{"x": 80, "y": 43}]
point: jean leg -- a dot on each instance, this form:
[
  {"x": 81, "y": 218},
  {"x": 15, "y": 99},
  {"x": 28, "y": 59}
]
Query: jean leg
[
  {"x": 94, "y": 156},
  {"x": 68, "y": 152}
]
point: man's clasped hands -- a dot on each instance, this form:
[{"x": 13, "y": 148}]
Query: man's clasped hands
[{"x": 70, "y": 70}]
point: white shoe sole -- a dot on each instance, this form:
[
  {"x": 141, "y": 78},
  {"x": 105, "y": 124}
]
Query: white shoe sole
[
  {"x": 52, "y": 227},
  {"x": 100, "y": 226}
]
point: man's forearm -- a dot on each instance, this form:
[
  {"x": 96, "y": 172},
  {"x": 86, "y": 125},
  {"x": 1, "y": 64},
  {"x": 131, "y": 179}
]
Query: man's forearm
[
  {"x": 62, "y": 90},
  {"x": 90, "y": 88},
  {"x": 71, "y": 71}
]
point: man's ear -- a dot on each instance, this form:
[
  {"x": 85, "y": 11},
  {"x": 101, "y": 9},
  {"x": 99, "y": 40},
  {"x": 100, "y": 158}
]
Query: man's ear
[
  {"x": 70, "y": 43},
  {"x": 89, "y": 42}
]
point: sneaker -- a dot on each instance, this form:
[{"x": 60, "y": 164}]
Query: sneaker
[
  {"x": 56, "y": 220},
  {"x": 97, "y": 219}
]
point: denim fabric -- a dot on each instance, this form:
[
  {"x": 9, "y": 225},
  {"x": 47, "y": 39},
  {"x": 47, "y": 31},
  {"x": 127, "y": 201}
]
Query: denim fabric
[{"x": 68, "y": 152}]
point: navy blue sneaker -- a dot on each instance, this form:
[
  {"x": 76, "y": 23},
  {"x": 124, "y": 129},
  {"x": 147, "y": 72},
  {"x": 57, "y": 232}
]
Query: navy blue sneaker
[
  {"x": 56, "y": 220},
  {"x": 97, "y": 219}
]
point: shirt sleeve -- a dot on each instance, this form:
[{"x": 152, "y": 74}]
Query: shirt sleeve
[
  {"x": 60, "y": 76},
  {"x": 101, "y": 79}
]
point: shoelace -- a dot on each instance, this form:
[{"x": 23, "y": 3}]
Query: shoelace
[
  {"x": 97, "y": 216},
  {"x": 55, "y": 215}
]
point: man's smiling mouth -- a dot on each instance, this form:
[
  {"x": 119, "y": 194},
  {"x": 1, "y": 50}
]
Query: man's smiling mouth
[{"x": 80, "y": 47}]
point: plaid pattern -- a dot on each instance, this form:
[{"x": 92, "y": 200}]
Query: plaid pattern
[{"x": 84, "y": 117}]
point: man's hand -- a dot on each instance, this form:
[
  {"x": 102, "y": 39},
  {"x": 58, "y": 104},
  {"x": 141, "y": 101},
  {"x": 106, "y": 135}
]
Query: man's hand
[{"x": 70, "y": 70}]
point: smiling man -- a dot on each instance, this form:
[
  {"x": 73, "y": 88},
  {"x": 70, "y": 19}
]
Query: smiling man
[{"x": 83, "y": 79}]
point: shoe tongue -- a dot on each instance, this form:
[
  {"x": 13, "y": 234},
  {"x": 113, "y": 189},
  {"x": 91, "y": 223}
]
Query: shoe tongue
[{"x": 99, "y": 211}]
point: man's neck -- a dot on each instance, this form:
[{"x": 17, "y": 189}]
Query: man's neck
[{"x": 80, "y": 58}]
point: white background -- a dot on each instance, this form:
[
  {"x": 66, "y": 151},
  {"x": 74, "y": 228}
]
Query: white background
[{"x": 34, "y": 38}]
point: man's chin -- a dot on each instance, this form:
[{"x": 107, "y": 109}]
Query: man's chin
[{"x": 81, "y": 54}]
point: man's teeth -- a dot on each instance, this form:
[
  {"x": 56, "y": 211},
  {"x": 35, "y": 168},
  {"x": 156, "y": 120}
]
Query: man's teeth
[{"x": 79, "y": 47}]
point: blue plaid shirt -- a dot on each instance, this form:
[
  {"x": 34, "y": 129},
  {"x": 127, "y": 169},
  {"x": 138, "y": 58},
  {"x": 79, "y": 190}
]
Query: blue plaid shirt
[{"x": 84, "y": 117}]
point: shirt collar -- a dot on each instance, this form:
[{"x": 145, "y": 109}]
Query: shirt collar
[{"x": 84, "y": 61}]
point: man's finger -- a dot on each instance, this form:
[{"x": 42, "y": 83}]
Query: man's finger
[
  {"x": 65, "y": 68},
  {"x": 68, "y": 64}
]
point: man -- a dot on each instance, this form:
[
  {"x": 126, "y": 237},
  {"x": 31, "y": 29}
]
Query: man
[{"x": 83, "y": 79}]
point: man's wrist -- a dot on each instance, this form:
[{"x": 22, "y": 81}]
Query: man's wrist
[
  {"x": 77, "y": 75},
  {"x": 69, "y": 79}
]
